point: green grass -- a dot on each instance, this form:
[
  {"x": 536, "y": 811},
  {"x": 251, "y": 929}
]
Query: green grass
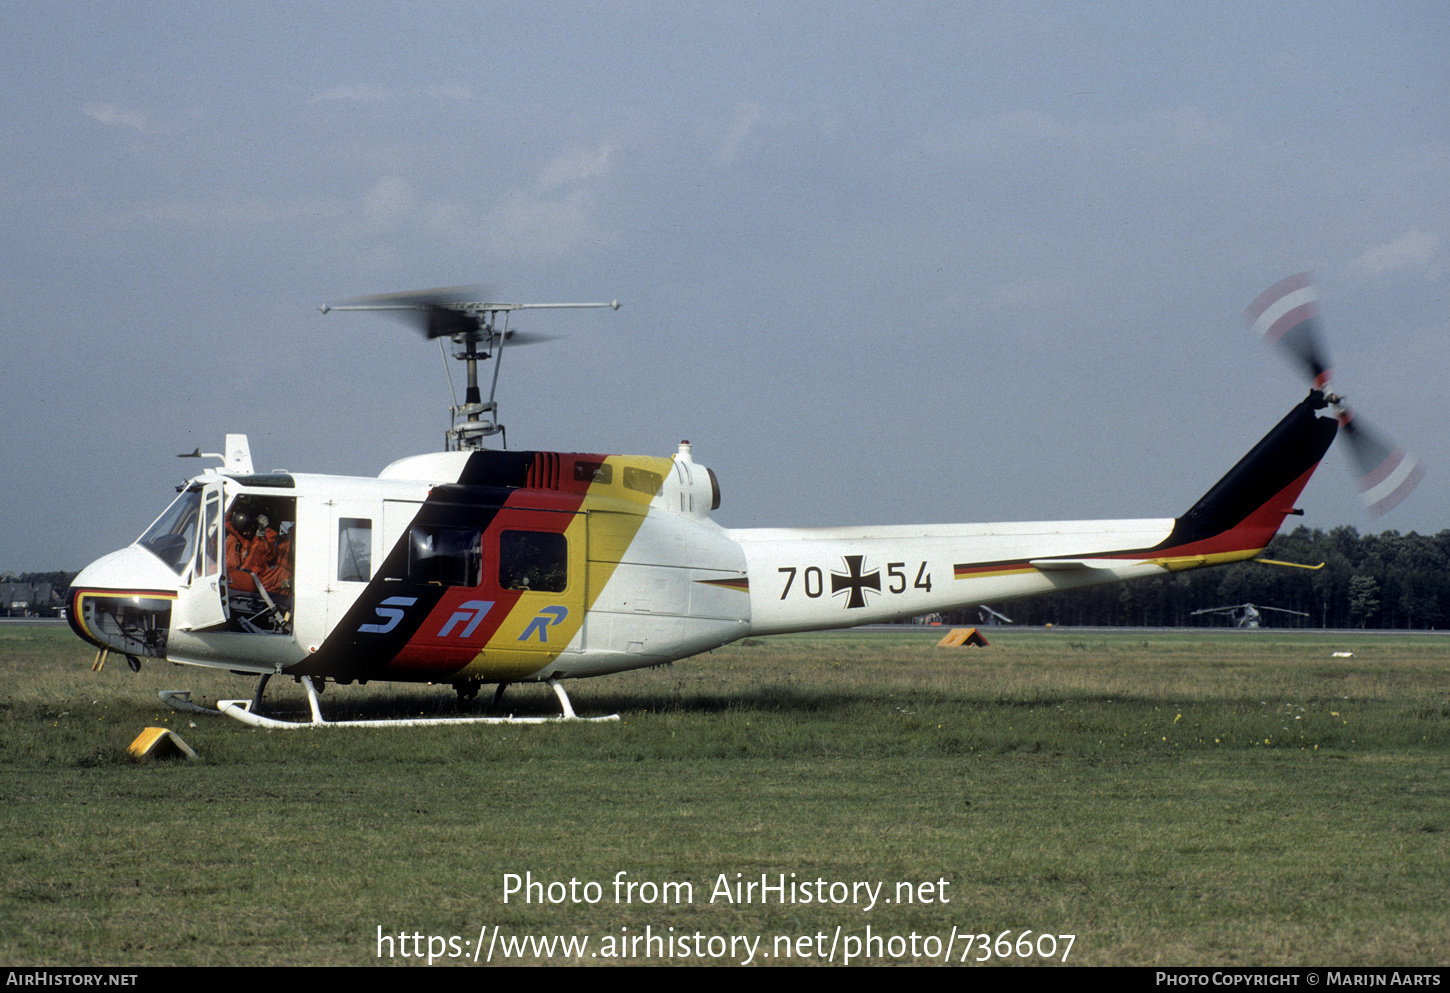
[{"x": 1205, "y": 799}]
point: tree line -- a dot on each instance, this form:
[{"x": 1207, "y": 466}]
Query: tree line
[{"x": 1386, "y": 580}]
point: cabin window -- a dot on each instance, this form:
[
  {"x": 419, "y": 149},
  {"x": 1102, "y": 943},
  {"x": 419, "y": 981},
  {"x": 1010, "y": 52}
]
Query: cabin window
[
  {"x": 533, "y": 560},
  {"x": 207, "y": 559},
  {"x": 354, "y": 549},
  {"x": 592, "y": 472},
  {"x": 443, "y": 556},
  {"x": 643, "y": 480}
]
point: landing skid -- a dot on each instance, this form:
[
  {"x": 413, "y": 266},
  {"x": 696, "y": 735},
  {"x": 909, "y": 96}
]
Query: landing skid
[{"x": 243, "y": 710}]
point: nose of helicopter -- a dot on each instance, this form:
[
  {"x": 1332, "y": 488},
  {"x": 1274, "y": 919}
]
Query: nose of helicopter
[{"x": 122, "y": 602}]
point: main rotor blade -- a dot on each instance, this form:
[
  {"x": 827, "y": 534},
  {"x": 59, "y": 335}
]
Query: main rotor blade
[
  {"x": 516, "y": 338},
  {"x": 440, "y": 297},
  {"x": 439, "y": 313},
  {"x": 444, "y": 322},
  {"x": 475, "y": 299},
  {"x": 1386, "y": 473},
  {"x": 1286, "y": 315}
]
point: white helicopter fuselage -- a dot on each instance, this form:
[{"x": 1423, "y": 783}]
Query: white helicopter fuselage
[{"x": 499, "y": 566}]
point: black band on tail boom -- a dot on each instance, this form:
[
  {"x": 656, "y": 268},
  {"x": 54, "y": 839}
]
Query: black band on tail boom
[{"x": 1294, "y": 446}]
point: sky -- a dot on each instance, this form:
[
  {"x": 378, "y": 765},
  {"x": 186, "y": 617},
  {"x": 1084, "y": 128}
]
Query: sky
[{"x": 879, "y": 262}]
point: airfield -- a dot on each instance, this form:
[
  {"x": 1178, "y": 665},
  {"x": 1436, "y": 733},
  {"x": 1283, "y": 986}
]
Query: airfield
[{"x": 1164, "y": 797}]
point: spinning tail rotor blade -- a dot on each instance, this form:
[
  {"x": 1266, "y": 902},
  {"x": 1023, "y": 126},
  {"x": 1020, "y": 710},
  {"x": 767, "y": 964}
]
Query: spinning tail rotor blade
[
  {"x": 1386, "y": 473},
  {"x": 1287, "y": 316}
]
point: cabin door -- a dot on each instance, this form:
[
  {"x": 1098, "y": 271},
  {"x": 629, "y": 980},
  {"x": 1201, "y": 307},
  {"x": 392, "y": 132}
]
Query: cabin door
[{"x": 199, "y": 603}]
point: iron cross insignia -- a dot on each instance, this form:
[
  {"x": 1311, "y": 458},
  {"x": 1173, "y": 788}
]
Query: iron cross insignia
[{"x": 855, "y": 582}]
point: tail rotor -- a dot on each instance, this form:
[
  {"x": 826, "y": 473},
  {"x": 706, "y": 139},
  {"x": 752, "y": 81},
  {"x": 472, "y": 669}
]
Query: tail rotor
[
  {"x": 1286, "y": 316},
  {"x": 1386, "y": 472}
]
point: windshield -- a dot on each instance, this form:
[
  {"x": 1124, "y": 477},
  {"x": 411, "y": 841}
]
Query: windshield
[{"x": 172, "y": 539}]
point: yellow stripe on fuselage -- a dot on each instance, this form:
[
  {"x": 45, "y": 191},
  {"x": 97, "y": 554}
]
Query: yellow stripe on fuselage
[{"x": 605, "y": 524}]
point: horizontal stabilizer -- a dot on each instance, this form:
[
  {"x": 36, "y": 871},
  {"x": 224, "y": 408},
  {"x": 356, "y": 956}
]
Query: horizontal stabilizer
[{"x": 1074, "y": 565}]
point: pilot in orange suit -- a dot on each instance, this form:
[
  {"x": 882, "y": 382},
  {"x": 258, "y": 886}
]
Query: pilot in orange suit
[
  {"x": 251, "y": 549},
  {"x": 278, "y": 578}
]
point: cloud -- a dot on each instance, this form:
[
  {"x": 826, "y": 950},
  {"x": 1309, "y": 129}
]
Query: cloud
[
  {"x": 521, "y": 225},
  {"x": 1415, "y": 250},
  {"x": 547, "y": 227},
  {"x": 576, "y": 165},
  {"x": 547, "y": 219},
  {"x": 747, "y": 115},
  {"x": 109, "y": 113},
  {"x": 552, "y": 220}
]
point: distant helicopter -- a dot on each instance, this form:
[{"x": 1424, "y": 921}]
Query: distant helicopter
[
  {"x": 1245, "y": 615},
  {"x": 475, "y": 566},
  {"x": 987, "y": 615}
]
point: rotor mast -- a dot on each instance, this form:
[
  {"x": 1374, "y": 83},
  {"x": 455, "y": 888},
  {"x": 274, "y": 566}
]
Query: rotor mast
[
  {"x": 480, "y": 420},
  {"x": 479, "y": 331}
]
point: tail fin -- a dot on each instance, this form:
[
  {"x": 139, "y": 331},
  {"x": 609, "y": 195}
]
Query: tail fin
[{"x": 1244, "y": 509}]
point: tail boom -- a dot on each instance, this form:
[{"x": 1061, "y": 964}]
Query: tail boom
[{"x": 804, "y": 579}]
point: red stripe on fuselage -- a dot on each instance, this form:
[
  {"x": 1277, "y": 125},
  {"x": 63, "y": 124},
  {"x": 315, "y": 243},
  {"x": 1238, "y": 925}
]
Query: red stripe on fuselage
[{"x": 430, "y": 652}]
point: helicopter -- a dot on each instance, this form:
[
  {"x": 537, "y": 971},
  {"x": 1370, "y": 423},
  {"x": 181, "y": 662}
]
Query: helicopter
[
  {"x": 476, "y": 566},
  {"x": 1245, "y": 615}
]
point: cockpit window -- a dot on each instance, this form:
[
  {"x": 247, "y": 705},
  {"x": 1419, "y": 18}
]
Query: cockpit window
[{"x": 172, "y": 539}]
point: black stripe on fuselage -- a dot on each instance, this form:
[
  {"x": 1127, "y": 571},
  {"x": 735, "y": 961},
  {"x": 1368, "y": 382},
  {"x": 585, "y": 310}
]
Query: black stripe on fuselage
[
  {"x": 509, "y": 469},
  {"x": 487, "y": 480},
  {"x": 351, "y": 652}
]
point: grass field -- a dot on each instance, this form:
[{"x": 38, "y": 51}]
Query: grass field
[{"x": 1238, "y": 798}]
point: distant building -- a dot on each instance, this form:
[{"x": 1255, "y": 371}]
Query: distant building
[{"x": 30, "y": 600}]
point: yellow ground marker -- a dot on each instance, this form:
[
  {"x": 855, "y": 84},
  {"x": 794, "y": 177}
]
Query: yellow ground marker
[
  {"x": 159, "y": 743},
  {"x": 961, "y": 637}
]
